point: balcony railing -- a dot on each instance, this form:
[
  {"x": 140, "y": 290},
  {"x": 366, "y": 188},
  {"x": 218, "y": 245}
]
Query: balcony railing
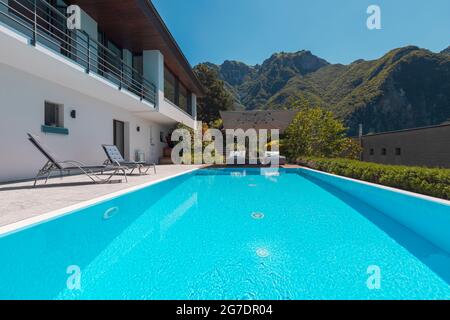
[{"x": 47, "y": 25}]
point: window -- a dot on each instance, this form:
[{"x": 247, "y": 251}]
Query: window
[
  {"x": 185, "y": 99},
  {"x": 114, "y": 58},
  {"x": 398, "y": 151},
  {"x": 176, "y": 92},
  {"x": 54, "y": 115},
  {"x": 372, "y": 152},
  {"x": 383, "y": 151},
  {"x": 170, "y": 86},
  {"x": 138, "y": 63},
  {"x": 161, "y": 136},
  {"x": 47, "y": 18},
  {"x": 109, "y": 59}
]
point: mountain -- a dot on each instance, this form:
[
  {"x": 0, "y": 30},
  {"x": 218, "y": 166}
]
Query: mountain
[
  {"x": 255, "y": 85},
  {"x": 407, "y": 87},
  {"x": 446, "y": 51}
]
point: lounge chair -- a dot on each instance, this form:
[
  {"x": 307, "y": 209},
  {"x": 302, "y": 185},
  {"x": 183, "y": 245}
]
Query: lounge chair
[
  {"x": 272, "y": 156},
  {"x": 54, "y": 165},
  {"x": 236, "y": 157},
  {"x": 115, "y": 159}
]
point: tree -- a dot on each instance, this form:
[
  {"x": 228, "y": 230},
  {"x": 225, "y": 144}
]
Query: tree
[
  {"x": 216, "y": 97},
  {"x": 316, "y": 132}
]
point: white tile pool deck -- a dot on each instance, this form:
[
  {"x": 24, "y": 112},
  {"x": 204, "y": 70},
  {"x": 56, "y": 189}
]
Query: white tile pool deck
[{"x": 20, "y": 201}]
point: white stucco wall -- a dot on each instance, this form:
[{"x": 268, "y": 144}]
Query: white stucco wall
[
  {"x": 22, "y": 98},
  {"x": 153, "y": 63}
]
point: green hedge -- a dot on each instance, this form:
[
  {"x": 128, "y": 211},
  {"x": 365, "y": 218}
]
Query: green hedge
[{"x": 429, "y": 181}]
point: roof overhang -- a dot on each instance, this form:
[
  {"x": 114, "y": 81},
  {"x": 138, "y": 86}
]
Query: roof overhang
[
  {"x": 137, "y": 26},
  {"x": 264, "y": 119}
]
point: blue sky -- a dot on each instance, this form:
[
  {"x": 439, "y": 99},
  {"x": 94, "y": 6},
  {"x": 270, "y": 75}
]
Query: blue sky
[{"x": 251, "y": 30}]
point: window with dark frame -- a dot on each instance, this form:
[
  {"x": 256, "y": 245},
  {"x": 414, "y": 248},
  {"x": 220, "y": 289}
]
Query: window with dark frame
[
  {"x": 110, "y": 58},
  {"x": 372, "y": 152},
  {"x": 183, "y": 98},
  {"x": 398, "y": 151},
  {"x": 176, "y": 92},
  {"x": 54, "y": 115},
  {"x": 170, "y": 86},
  {"x": 48, "y": 21},
  {"x": 383, "y": 151}
]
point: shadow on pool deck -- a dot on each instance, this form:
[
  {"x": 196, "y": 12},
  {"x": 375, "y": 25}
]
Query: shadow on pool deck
[
  {"x": 435, "y": 258},
  {"x": 20, "y": 201},
  {"x": 54, "y": 185}
]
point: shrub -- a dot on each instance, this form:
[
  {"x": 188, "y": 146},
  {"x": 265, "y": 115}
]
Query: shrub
[{"x": 429, "y": 181}]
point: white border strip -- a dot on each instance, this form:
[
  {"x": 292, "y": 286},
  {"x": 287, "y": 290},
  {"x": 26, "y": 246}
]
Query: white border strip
[
  {"x": 408, "y": 193},
  {"x": 42, "y": 218}
]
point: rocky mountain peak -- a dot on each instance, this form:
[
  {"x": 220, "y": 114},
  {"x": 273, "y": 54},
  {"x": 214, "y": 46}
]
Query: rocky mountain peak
[{"x": 407, "y": 87}]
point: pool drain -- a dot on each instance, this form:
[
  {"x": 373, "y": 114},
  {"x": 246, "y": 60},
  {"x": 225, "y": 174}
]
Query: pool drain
[
  {"x": 262, "y": 252},
  {"x": 110, "y": 213},
  {"x": 257, "y": 215}
]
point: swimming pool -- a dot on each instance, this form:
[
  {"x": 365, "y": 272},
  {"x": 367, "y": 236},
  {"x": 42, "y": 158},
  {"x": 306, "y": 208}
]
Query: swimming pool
[{"x": 227, "y": 234}]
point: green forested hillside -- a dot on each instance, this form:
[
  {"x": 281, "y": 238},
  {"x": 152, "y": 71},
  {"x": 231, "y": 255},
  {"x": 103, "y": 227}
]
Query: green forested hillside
[{"x": 407, "y": 87}]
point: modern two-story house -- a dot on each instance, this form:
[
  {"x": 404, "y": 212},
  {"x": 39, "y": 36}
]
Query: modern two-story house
[{"x": 119, "y": 79}]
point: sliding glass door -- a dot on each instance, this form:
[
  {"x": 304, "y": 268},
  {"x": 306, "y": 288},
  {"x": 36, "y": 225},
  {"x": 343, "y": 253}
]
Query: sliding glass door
[{"x": 119, "y": 136}]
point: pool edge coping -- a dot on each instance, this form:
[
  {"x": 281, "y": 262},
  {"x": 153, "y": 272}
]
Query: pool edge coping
[
  {"x": 380, "y": 186},
  {"x": 58, "y": 213}
]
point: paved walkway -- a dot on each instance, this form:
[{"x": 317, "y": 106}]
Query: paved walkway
[{"x": 20, "y": 201}]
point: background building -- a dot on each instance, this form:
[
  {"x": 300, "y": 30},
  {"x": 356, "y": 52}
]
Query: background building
[{"x": 426, "y": 146}]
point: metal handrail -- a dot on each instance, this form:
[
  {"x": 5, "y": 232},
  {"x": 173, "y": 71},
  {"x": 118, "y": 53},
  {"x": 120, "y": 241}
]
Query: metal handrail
[
  {"x": 78, "y": 46},
  {"x": 54, "y": 10}
]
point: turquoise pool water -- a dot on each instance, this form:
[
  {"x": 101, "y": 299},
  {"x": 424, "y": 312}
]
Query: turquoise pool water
[{"x": 224, "y": 234}]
